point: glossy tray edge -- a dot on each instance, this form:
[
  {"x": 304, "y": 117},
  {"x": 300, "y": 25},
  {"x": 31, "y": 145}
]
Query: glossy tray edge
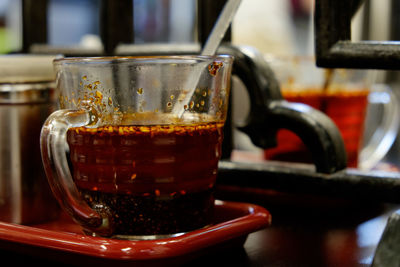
[{"x": 253, "y": 218}]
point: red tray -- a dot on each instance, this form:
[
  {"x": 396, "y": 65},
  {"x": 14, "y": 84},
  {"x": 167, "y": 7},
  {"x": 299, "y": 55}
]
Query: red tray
[{"x": 63, "y": 241}]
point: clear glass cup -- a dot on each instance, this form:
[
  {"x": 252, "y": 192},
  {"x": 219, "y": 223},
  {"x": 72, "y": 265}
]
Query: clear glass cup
[
  {"x": 144, "y": 139},
  {"x": 346, "y": 96}
]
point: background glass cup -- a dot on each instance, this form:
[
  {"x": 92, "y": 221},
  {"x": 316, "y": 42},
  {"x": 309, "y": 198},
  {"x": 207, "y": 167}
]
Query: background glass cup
[
  {"x": 345, "y": 95},
  {"x": 140, "y": 169}
]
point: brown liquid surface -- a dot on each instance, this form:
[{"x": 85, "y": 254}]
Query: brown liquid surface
[
  {"x": 346, "y": 109},
  {"x": 153, "y": 179}
]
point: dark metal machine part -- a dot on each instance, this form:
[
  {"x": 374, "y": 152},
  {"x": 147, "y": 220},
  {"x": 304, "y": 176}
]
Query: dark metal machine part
[
  {"x": 334, "y": 48},
  {"x": 387, "y": 253},
  {"x": 269, "y": 112},
  {"x": 377, "y": 186}
]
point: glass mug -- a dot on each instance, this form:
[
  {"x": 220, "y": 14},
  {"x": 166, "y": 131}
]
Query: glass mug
[
  {"x": 144, "y": 137},
  {"x": 345, "y": 95}
]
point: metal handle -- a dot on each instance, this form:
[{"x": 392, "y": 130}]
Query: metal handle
[{"x": 270, "y": 112}]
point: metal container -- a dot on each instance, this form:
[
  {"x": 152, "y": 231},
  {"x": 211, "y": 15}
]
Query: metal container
[{"x": 26, "y": 99}]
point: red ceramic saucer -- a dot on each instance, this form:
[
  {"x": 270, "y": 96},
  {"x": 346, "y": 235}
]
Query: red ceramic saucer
[{"x": 63, "y": 239}]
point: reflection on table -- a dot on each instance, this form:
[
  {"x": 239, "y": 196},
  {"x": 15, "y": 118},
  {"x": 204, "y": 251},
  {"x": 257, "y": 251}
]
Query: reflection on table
[{"x": 308, "y": 231}]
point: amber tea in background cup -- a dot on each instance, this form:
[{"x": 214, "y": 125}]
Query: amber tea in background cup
[
  {"x": 344, "y": 96},
  {"x": 138, "y": 170}
]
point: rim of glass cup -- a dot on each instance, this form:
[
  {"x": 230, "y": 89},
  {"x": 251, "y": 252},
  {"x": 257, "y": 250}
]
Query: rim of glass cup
[{"x": 142, "y": 59}]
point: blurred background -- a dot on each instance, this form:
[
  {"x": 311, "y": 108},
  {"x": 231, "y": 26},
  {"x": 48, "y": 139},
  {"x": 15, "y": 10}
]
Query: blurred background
[
  {"x": 272, "y": 26},
  {"x": 76, "y": 22}
]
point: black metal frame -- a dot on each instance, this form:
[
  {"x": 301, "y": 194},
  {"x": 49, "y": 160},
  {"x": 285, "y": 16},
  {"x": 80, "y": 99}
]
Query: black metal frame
[
  {"x": 34, "y": 23},
  {"x": 116, "y": 24},
  {"x": 116, "y": 27},
  {"x": 334, "y": 47},
  {"x": 207, "y": 14}
]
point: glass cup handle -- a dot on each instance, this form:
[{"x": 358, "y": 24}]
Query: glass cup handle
[
  {"x": 52, "y": 146},
  {"x": 385, "y": 134}
]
